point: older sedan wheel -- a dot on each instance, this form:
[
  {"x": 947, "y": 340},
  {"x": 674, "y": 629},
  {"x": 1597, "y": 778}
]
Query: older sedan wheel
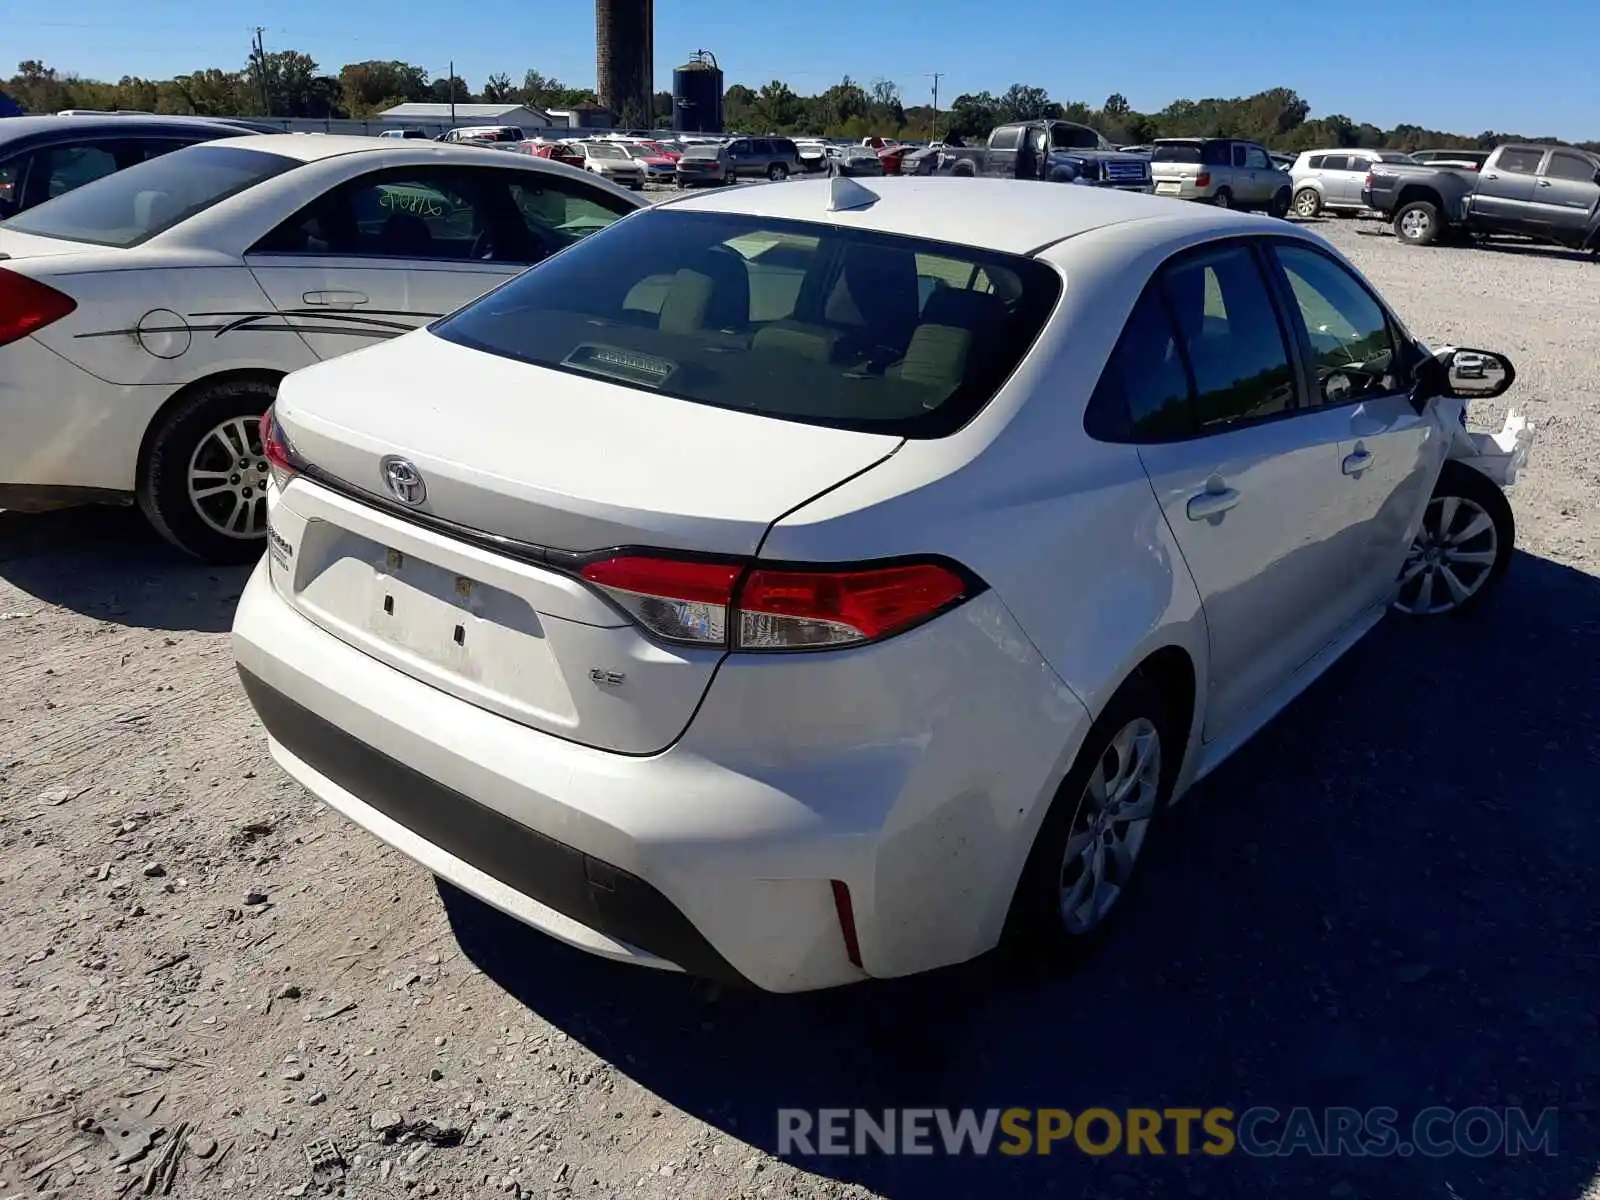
[{"x": 1462, "y": 549}]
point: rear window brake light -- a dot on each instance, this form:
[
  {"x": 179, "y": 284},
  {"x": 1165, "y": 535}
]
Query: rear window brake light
[{"x": 758, "y": 607}]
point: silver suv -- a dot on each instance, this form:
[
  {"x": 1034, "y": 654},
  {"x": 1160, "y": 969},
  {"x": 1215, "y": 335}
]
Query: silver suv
[
  {"x": 1227, "y": 172},
  {"x": 769, "y": 157},
  {"x": 1333, "y": 179}
]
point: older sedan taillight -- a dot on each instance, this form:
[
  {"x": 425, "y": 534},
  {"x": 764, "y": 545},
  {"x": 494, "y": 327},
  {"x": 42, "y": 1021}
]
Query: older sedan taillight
[{"x": 737, "y": 605}]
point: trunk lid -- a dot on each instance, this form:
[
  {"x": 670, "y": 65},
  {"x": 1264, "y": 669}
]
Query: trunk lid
[
  {"x": 15, "y": 245},
  {"x": 547, "y": 459}
]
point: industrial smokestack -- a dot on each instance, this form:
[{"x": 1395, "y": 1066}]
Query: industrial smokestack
[{"x": 624, "y": 59}]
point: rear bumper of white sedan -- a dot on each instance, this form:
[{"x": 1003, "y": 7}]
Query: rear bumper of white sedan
[
  {"x": 825, "y": 818},
  {"x": 65, "y": 435}
]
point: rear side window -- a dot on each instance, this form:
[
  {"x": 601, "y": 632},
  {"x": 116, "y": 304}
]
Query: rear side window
[
  {"x": 1336, "y": 162},
  {"x": 1203, "y": 352},
  {"x": 1217, "y": 154},
  {"x": 788, "y": 319},
  {"x": 1316, "y": 162},
  {"x": 132, "y": 206},
  {"x": 1570, "y": 166},
  {"x": 1007, "y": 137},
  {"x": 1520, "y": 162}
]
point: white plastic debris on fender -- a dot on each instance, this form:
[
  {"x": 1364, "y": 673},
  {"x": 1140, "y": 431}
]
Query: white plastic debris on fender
[{"x": 1498, "y": 455}]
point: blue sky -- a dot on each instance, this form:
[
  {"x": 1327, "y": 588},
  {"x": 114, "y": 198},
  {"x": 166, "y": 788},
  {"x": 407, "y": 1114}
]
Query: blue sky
[{"x": 1445, "y": 64}]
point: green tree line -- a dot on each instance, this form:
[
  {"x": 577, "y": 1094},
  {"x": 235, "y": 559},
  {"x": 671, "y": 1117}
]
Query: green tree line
[{"x": 288, "y": 83}]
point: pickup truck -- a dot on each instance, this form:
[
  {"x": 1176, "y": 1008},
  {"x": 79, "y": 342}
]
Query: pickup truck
[
  {"x": 1549, "y": 193},
  {"x": 1053, "y": 151}
]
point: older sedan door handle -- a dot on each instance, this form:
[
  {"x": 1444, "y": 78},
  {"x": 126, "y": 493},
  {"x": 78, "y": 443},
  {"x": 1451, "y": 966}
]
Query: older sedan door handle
[
  {"x": 1544, "y": 183},
  {"x": 1358, "y": 462},
  {"x": 334, "y": 299},
  {"x": 1207, "y": 504}
]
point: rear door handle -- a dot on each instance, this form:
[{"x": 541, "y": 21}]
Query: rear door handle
[
  {"x": 1544, "y": 183},
  {"x": 334, "y": 299},
  {"x": 1358, "y": 462},
  {"x": 1207, "y": 504}
]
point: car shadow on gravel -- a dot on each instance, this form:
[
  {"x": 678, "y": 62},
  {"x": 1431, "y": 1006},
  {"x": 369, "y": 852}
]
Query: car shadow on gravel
[
  {"x": 107, "y": 563},
  {"x": 1386, "y": 899}
]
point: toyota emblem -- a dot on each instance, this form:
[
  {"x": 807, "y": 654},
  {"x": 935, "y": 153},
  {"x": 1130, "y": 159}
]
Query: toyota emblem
[{"x": 403, "y": 479}]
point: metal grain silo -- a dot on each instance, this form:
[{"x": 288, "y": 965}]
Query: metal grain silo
[
  {"x": 624, "y": 59},
  {"x": 697, "y": 95}
]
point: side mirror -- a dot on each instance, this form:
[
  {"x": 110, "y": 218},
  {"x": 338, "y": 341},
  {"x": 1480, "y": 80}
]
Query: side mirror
[{"x": 1464, "y": 374}]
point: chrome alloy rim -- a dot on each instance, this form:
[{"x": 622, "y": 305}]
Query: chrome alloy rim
[
  {"x": 1110, "y": 826},
  {"x": 1450, "y": 559},
  {"x": 228, "y": 479}
]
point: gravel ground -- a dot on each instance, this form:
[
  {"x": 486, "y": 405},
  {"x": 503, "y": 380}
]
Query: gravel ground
[{"x": 1389, "y": 898}]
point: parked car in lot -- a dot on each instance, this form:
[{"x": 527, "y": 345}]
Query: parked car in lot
[
  {"x": 555, "y": 151},
  {"x": 45, "y": 157},
  {"x": 146, "y": 318},
  {"x": 855, "y": 160},
  {"x": 508, "y": 134},
  {"x": 1227, "y": 172},
  {"x": 763, "y": 158},
  {"x": 409, "y": 134},
  {"x": 657, "y": 167},
  {"x": 1334, "y": 179},
  {"x": 611, "y": 162},
  {"x": 704, "y": 164},
  {"x": 891, "y": 555},
  {"x": 1054, "y": 151},
  {"x": 1551, "y": 193}
]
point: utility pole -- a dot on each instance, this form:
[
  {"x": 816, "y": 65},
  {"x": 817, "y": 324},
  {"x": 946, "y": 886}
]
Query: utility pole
[
  {"x": 260, "y": 53},
  {"x": 452, "y": 93},
  {"x": 937, "y": 75}
]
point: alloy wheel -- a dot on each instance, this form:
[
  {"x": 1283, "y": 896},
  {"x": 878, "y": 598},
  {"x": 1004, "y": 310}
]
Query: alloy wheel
[
  {"x": 1415, "y": 224},
  {"x": 1110, "y": 826},
  {"x": 228, "y": 479},
  {"x": 1306, "y": 204},
  {"x": 1451, "y": 558}
]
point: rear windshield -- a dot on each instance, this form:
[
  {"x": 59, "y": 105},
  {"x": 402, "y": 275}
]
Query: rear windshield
[
  {"x": 605, "y": 150},
  {"x": 132, "y": 206},
  {"x": 703, "y": 152},
  {"x": 1176, "y": 152},
  {"x": 804, "y": 322}
]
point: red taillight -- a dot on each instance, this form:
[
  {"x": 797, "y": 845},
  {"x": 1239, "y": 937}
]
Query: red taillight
[
  {"x": 27, "y": 306},
  {"x": 721, "y": 603},
  {"x": 1367, "y": 183},
  {"x": 279, "y": 452},
  {"x": 1203, "y": 179}
]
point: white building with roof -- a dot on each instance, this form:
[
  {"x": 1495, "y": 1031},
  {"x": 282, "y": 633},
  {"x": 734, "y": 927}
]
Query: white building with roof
[{"x": 429, "y": 113}]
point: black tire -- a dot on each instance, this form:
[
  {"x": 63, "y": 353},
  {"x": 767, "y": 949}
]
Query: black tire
[
  {"x": 1307, "y": 204},
  {"x": 1418, "y": 223},
  {"x": 163, "y": 487},
  {"x": 1472, "y": 486},
  {"x": 777, "y": 172},
  {"x": 1280, "y": 204},
  {"x": 1223, "y": 198},
  {"x": 1036, "y": 933}
]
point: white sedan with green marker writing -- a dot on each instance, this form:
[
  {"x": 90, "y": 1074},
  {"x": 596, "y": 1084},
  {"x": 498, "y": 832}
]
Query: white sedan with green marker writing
[{"x": 146, "y": 318}]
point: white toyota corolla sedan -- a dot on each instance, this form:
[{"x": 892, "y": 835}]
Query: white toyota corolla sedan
[
  {"x": 146, "y": 318},
  {"x": 799, "y": 585}
]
